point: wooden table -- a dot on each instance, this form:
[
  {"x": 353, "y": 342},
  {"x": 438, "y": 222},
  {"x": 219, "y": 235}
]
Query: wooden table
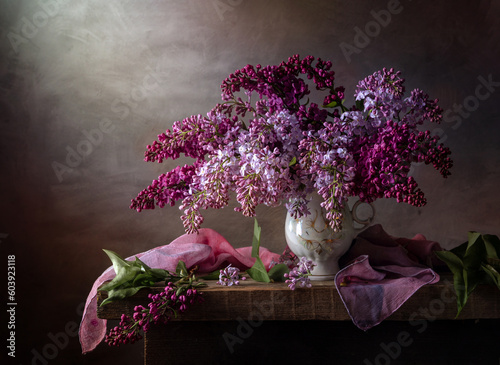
[{"x": 269, "y": 323}]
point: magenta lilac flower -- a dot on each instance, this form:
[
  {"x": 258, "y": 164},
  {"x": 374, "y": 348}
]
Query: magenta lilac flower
[
  {"x": 269, "y": 140},
  {"x": 162, "y": 308}
]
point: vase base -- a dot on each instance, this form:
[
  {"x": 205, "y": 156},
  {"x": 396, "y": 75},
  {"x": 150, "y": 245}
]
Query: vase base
[{"x": 321, "y": 277}]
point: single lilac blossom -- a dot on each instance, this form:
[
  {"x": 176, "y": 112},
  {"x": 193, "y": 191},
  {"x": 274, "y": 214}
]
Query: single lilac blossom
[
  {"x": 230, "y": 276},
  {"x": 299, "y": 275}
]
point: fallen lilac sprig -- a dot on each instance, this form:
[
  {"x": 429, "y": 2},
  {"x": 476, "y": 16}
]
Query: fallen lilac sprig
[
  {"x": 230, "y": 276},
  {"x": 131, "y": 276},
  {"x": 299, "y": 275},
  {"x": 163, "y": 307}
]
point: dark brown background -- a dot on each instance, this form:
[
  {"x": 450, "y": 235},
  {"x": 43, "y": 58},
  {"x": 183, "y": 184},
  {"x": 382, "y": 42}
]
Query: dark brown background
[{"x": 131, "y": 68}]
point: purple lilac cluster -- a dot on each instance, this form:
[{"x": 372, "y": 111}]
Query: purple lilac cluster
[
  {"x": 287, "y": 257},
  {"x": 269, "y": 143},
  {"x": 299, "y": 275},
  {"x": 163, "y": 307},
  {"x": 230, "y": 276}
]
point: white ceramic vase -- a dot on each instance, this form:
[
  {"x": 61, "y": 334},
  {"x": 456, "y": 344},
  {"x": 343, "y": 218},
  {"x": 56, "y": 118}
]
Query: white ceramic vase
[{"x": 311, "y": 237}]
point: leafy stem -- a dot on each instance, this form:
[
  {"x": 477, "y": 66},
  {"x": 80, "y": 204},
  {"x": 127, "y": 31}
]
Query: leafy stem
[
  {"x": 132, "y": 276},
  {"x": 258, "y": 271},
  {"x": 472, "y": 263}
]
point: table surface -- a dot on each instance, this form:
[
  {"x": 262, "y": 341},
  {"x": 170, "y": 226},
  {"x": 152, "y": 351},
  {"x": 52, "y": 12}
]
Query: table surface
[
  {"x": 275, "y": 301},
  {"x": 235, "y": 325}
]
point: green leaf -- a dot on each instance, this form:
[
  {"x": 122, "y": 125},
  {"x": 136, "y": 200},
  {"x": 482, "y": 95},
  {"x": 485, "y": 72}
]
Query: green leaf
[
  {"x": 473, "y": 237},
  {"x": 360, "y": 105},
  {"x": 472, "y": 278},
  {"x": 256, "y": 239},
  {"x": 493, "y": 274},
  {"x": 475, "y": 253},
  {"x": 116, "y": 260},
  {"x": 138, "y": 262},
  {"x": 460, "y": 250},
  {"x": 160, "y": 274},
  {"x": 118, "y": 294},
  {"x": 459, "y": 283},
  {"x": 459, "y": 276},
  {"x": 180, "y": 290},
  {"x": 277, "y": 271},
  {"x": 293, "y": 162},
  {"x": 144, "y": 279},
  {"x": 200, "y": 284},
  {"x": 333, "y": 104},
  {"x": 472, "y": 263},
  {"x": 131, "y": 276},
  {"x": 258, "y": 272},
  {"x": 474, "y": 244},
  {"x": 492, "y": 246},
  {"x": 123, "y": 276},
  {"x": 452, "y": 260},
  {"x": 181, "y": 269}
]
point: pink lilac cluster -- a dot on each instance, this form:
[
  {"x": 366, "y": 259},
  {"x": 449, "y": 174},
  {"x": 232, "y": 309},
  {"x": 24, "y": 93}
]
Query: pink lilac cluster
[
  {"x": 299, "y": 275},
  {"x": 161, "y": 309},
  {"x": 230, "y": 276},
  {"x": 270, "y": 143}
]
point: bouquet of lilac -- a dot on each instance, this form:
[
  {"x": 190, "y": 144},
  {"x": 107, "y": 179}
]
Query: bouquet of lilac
[{"x": 269, "y": 143}]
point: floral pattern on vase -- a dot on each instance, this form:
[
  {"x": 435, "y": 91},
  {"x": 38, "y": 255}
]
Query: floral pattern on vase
[{"x": 311, "y": 236}]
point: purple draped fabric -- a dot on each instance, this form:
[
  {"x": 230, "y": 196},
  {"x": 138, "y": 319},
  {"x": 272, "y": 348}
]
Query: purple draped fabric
[{"x": 381, "y": 272}]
